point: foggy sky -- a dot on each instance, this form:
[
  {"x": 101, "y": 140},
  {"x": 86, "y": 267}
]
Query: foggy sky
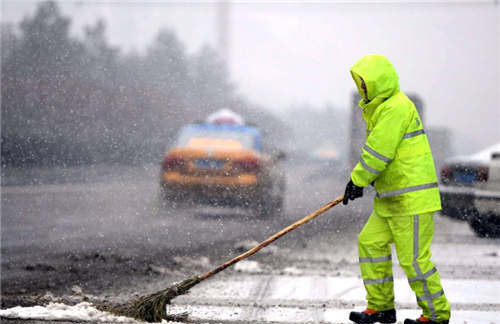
[{"x": 289, "y": 53}]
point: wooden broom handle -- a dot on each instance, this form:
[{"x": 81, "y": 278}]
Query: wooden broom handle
[{"x": 273, "y": 238}]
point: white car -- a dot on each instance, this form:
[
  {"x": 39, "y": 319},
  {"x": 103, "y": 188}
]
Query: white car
[
  {"x": 486, "y": 223},
  {"x": 459, "y": 177}
]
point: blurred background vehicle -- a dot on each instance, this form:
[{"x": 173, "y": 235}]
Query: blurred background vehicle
[
  {"x": 486, "y": 223},
  {"x": 459, "y": 176},
  {"x": 325, "y": 154},
  {"x": 221, "y": 162}
]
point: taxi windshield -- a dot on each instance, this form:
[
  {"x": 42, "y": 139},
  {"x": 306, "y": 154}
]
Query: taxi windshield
[{"x": 217, "y": 138}]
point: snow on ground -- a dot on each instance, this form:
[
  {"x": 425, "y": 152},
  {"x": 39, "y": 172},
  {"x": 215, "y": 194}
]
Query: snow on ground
[
  {"x": 58, "y": 312},
  {"x": 321, "y": 315},
  {"x": 248, "y": 267},
  {"x": 292, "y": 299},
  {"x": 277, "y": 313},
  {"x": 62, "y": 312},
  {"x": 292, "y": 271},
  {"x": 269, "y": 289}
]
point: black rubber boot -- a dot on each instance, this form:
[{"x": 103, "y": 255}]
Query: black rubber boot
[
  {"x": 423, "y": 320},
  {"x": 369, "y": 317}
]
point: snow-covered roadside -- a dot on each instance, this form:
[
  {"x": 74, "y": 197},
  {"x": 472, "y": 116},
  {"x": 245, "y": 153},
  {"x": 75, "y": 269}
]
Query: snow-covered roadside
[
  {"x": 84, "y": 312},
  {"x": 62, "y": 312},
  {"x": 58, "y": 311},
  {"x": 311, "y": 290},
  {"x": 254, "y": 297},
  {"x": 298, "y": 315}
]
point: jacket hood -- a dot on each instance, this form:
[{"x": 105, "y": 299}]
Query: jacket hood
[{"x": 380, "y": 77}]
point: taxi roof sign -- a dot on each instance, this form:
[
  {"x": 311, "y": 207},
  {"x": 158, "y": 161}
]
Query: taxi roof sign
[{"x": 225, "y": 116}]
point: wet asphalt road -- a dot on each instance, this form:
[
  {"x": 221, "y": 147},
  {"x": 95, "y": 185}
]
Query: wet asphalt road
[
  {"x": 101, "y": 234},
  {"x": 105, "y": 228}
]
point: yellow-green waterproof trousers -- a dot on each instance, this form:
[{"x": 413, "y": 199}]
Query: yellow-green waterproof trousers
[{"x": 412, "y": 236}]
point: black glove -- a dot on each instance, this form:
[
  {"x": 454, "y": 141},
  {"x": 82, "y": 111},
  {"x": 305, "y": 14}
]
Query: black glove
[{"x": 352, "y": 192}]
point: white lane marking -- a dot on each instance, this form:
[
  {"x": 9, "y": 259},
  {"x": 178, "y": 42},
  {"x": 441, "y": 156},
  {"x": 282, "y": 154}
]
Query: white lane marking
[
  {"x": 328, "y": 315},
  {"x": 259, "y": 292},
  {"x": 305, "y": 288}
]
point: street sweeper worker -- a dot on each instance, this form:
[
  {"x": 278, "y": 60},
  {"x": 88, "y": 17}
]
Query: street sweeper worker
[{"x": 397, "y": 160}]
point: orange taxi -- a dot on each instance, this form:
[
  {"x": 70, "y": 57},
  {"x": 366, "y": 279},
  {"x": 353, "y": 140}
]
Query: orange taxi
[{"x": 223, "y": 164}]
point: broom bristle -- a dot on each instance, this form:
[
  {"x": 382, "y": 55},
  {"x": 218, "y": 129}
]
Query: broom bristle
[{"x": 153, "y": 308}]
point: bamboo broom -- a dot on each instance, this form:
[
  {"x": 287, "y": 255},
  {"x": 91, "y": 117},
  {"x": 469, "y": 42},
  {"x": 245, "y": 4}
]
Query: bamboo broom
[{"x": 152, "y": 308}]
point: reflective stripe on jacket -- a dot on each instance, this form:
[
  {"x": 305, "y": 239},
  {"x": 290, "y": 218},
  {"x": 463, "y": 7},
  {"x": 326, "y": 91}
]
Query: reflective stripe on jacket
[{"x": 396, "y": 155}]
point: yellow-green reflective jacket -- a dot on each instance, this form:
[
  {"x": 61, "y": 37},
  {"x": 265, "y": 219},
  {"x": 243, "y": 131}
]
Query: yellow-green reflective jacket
[{"x": 396, "y": 155}]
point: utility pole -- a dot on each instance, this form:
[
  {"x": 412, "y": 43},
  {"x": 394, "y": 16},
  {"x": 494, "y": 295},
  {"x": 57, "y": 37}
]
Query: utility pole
[{"x": 223, "y": 30}]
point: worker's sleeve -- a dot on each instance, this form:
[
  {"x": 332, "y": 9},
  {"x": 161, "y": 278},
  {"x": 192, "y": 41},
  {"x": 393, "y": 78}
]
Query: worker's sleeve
[{"x": 390, "y": 124}]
